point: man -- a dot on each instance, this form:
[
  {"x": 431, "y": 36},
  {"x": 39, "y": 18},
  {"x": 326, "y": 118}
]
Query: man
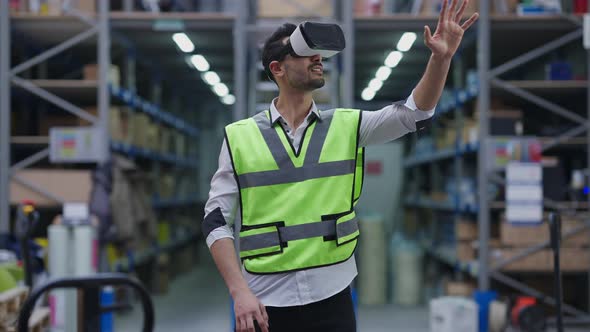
[{"x": 290, "y": 177}]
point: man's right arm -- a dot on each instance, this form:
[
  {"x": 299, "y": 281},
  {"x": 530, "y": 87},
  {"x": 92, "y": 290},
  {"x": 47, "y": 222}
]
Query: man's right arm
[{"x": 221, "y": 206}]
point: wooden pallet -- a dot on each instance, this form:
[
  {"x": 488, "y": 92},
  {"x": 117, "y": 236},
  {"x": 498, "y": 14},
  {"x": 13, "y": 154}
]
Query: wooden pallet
[
  {"x": 11, "y": 302},
  {"x": 38, "y": 322}
]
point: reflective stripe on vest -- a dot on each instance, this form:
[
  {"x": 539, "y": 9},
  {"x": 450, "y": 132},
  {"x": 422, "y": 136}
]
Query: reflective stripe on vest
[{"x": 298, "y": 232}]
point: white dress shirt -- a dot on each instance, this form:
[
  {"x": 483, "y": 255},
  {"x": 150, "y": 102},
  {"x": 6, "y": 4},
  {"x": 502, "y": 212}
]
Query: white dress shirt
[{"x": 312, "y": 285}]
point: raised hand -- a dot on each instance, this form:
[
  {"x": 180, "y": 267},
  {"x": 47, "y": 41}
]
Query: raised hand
[{"x": 449, "y": 30}]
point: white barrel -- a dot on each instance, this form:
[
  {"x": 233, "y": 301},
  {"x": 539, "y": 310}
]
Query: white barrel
[
  {"x": 406, "y": 268},
  {"x": 84, "y": 256},
  {"x": 61, "y": 302},
  {"x": 372, "y": 261}
]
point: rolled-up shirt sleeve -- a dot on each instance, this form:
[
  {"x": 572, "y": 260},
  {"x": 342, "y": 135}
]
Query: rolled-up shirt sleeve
[
  {"x": 391, "y": 122},
  {"x": 221, "y": 206}
]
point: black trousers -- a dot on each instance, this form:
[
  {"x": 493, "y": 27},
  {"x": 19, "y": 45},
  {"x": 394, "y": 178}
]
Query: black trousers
[{"x": 334, "y": 314}]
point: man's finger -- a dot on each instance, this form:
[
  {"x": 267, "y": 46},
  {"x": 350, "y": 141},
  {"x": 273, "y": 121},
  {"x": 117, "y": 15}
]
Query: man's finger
[
  {"x": 461, "y": 11},
  {"x": 470, "y": 21},
  {"x": 427, "y": 35},
  {"x": 263, "y": 311},
  {"x": 451, "y": 11},
  {"x": 262, "y": 323},
  {"x": 442, "y": 17},
  {"x": 239, "y": 324},
  {"x": 250, "y": 324}
]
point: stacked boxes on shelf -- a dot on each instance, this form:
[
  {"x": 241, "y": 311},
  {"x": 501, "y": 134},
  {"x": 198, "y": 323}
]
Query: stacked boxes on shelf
[{"x": 575, "y": 255}]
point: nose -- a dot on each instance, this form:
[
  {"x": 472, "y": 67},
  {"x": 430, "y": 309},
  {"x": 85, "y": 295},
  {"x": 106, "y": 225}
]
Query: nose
[{"x": 316, "y": 58}]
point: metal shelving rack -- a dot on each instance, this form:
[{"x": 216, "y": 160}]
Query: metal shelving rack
[
  {"x": 79, "y": 29},
  {"x": 555, "y": 32},
  {"x": 488, "y": 80}
]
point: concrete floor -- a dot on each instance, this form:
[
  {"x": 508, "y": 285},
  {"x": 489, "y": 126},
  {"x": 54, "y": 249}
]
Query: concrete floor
[{"x": 198, "y": 301}]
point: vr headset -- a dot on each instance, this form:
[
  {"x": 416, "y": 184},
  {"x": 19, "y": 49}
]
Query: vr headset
[{"x": 316, "y": 38}]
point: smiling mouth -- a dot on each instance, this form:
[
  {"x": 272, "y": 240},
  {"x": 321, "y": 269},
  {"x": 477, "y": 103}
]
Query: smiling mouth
[{"x": 317, "y": 69}]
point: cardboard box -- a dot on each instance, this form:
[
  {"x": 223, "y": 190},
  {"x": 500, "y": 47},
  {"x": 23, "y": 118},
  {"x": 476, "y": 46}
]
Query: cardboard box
[
  {"x": 466, "y": 230},
  {"x": 70, "y": 185},
  {"x": 85, "y": 6},
  {"x": 573, "y": 259},
  {"x": 526, "y": 235},
  {"x": 180, "y": 144},
  {"x": 50, "y": 120},
  {"x": 152, "y": 135},
  {"x": 273, "y": 8},
  {"x": 459, "y": 288},
  {"x": 140, "y": 133},
  {"x": 167, "y": 184},
  {"x": 465, "y": 251},
  {"x": 90, "y": 72},
  {"x": 539, "y": 261}
]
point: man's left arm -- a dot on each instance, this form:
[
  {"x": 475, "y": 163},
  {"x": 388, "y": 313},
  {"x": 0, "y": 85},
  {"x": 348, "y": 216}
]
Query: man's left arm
[{"x": 443, "y": 44}]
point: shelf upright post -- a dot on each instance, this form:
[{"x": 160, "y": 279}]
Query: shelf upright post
[
  {"x": 483, "y": 216},
  {"x": 104, "y": 63},
  {"x": 347, "y": 75},
  {"x": 588, "y": 138},
  {"x": 459, "y": 83},
  {"x": 4, "y": 117},
  {"x": 483, "y": 65},
  {"x": 240, "y": 57}
]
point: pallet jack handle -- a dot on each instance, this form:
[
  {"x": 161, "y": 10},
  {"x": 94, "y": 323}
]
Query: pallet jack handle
[
  {"x": 555, "y": 231},
  {"x": 106, "y": 279}
]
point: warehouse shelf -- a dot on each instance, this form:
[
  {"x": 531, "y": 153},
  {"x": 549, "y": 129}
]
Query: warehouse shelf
[
  {"x": 137, "y": 152},
  {"x": 138, "y": 103},
  {"x": 452, "y": 205},
  {"x": 42, "y": 27},
  {"x": 448, "y": 256},
  {"x": 546, "y": 88},
  {"x": 86, "y": 91},
  {"x": 76, "y": 91},
  {"x": 133, "y": 259},
  {"x": 29, "y": 140},
  {"x": 173, "y": 202},
  {"x": 499, "y": 22},
  {"x": 440, "y": 155},
  {"x": 562, "y": 205}
]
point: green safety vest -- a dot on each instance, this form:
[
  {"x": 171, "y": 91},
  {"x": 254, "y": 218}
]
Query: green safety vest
[{"x": 297, "y": 206}]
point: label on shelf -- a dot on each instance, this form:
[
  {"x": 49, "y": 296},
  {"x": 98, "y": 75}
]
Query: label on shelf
[{"x": 77, "y": 145}]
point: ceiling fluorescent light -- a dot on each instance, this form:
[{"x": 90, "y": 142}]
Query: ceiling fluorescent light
[
  {"x": 406, "y": 41},
  {"x": 375, "y": 84},
  {"x": 211, "y": 77},
  {"x": 368, "y": 94},
  {"x": 383, "y": 73},
  {"x": 183, "y": 42},
  {"x": 229, "y": 100},
  {"x": 393, "y": 59},
  {"x": 200, "y": 62},
  {"x": 220, "y": 89}
]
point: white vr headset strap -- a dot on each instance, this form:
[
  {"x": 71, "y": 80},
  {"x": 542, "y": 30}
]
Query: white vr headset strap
[{"x": 302, "y": 49}]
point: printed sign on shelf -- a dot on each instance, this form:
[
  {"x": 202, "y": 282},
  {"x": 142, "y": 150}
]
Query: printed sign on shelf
[{"x": 77, "y": 145}]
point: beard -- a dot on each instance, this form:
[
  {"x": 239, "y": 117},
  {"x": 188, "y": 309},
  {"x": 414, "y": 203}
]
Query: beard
[{"x": 303, "y": 81}]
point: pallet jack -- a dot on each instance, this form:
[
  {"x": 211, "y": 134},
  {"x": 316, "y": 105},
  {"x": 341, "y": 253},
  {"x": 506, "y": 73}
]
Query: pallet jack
[{"x": 90, "y": 286}]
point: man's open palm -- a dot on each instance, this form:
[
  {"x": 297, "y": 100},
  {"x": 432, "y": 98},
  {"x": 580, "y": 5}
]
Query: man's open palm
[{"x": 449, "y": 31}]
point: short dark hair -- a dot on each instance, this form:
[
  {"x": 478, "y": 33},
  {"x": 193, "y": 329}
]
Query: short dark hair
[{"x": 274, "y": 45}]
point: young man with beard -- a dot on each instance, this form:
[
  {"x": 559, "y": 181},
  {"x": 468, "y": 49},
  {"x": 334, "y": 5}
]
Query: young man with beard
[{"x": 290, "y": 177}]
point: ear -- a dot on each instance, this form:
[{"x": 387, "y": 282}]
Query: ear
[{"x": 276, "y": 68}]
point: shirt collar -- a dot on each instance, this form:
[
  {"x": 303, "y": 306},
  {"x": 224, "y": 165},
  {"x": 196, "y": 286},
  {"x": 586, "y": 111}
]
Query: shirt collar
[{"x": 276, "y": 116}]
